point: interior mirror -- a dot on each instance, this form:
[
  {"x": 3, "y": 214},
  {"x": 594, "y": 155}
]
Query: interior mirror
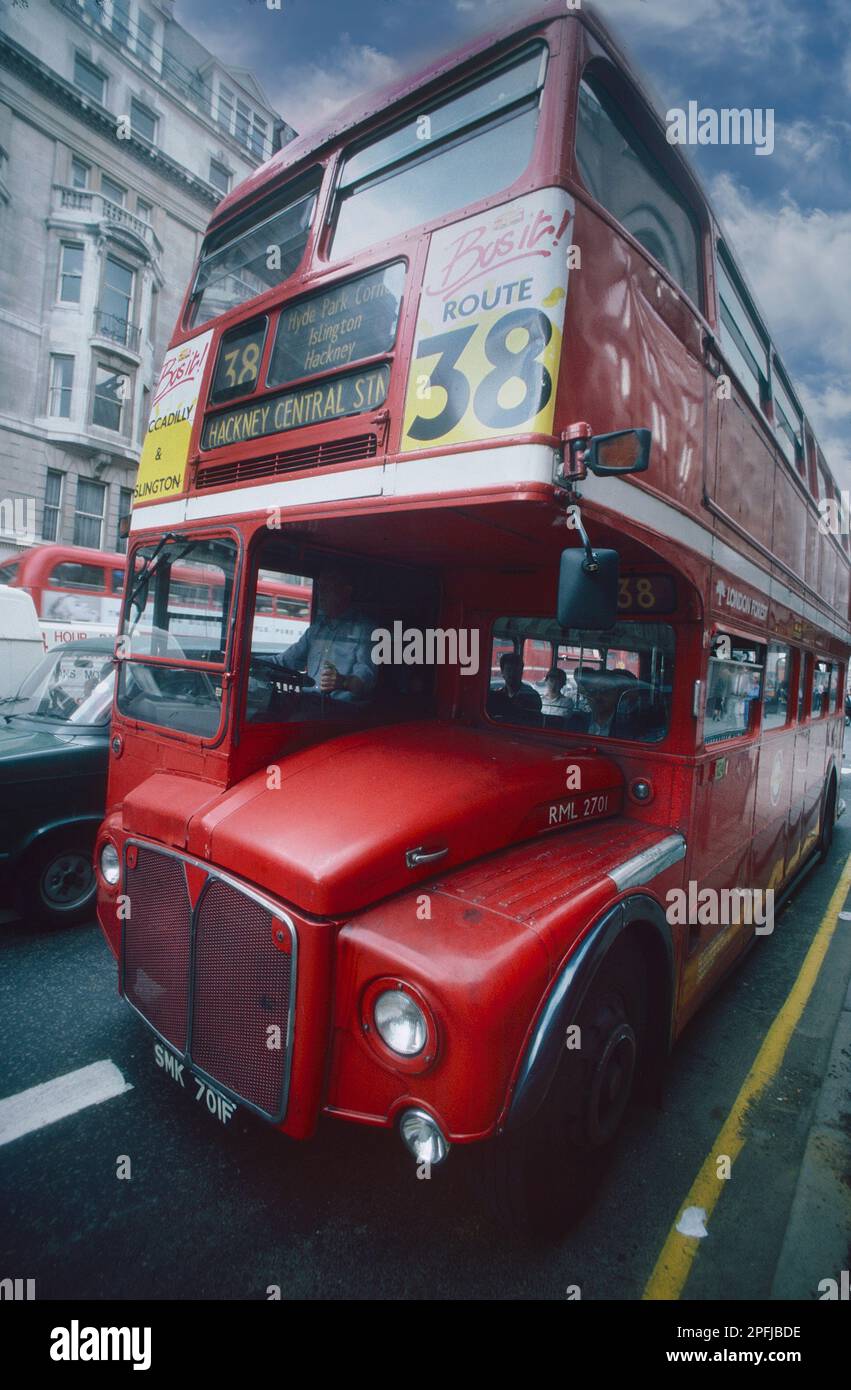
[
  {"x": 625, "y": 451},
  {"x": 588, "y": 597}
]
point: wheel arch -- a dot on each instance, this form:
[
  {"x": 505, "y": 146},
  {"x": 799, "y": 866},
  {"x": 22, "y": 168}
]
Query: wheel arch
[{"x": 639, "y": 918}]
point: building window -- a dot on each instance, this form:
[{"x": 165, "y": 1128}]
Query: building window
[
  {"x": 152, "y": 325},
  {"x": 243, "y": 122},
  {"x": 112, "y": 190},
  {"x": 88, "y": 518},
  {"x": 89, "y": 78},
  {"x": 51, "y": 521},
  {"x": 70, "y": 272},
  {"x": 225, "y": 115},
  {"x": 143, "y": 121},
  {"x": 116, "y": 301},
  {"x": 144, "y": 413},
  {"x": 80, "y": 173},
  {"x": 110, "y": 394},
  {"x": 219, "y": 176},
  {"x": 121, "y": 21},
  {"x": 125, "y": 506},
  {"x": 144, "y": 210},
  {"x": 259, "y": 137},
  {"x": 145, "y": 39},
  {"x": 61, "y": 381}
]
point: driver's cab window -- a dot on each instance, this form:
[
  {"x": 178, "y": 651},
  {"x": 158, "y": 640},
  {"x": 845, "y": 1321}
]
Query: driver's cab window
[{"x": 326, "y": 639}]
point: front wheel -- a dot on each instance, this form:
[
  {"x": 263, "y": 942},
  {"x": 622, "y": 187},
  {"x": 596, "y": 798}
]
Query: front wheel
[
  {"x": 59, "y": 885},
  {"x": 539, "y": 1179}
]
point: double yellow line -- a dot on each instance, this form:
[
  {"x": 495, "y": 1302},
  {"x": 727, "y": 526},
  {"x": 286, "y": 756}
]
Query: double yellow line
[{"x": 674, "y": 1263}]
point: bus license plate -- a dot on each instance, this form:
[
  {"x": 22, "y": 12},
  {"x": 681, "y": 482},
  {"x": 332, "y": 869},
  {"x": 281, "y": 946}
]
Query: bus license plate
[{"x": 202, "y": 1091}]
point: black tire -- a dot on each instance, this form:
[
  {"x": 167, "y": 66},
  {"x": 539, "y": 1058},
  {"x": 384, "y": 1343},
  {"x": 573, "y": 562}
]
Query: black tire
[
  {"x": 539, "y": 1179},
  {"x": 828, "y": 823},
  {"x": 58, "y": 886}
]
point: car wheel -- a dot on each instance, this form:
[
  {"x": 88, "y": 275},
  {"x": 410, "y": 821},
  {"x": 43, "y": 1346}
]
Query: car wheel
[
  {"x": 60, "y": 885},
  {"x": 538, "y": 1180}
]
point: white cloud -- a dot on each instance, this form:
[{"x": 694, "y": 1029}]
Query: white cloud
[
  {"x": 309, "y": 93},
  {"x": 797, "y": 261}
]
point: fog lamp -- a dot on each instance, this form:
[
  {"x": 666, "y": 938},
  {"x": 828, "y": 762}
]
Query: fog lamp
[{"x": 421, "y": 1135}]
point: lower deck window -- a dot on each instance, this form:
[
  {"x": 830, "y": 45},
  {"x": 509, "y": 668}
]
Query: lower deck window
[
  {"x": 734, "y": 687},
  {"x": 613, "y": 684}
]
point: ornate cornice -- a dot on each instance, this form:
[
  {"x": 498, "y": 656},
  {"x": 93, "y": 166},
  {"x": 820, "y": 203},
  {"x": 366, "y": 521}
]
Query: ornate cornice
[{"x": 16, "y": 59}]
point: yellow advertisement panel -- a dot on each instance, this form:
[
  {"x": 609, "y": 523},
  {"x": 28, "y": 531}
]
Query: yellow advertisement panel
[
  {"x": 489, "y": 324},
  {"x": 162, "y": 468}
]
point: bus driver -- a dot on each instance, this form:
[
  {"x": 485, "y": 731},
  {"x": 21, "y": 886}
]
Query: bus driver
[{"x": 335, "y": 649}]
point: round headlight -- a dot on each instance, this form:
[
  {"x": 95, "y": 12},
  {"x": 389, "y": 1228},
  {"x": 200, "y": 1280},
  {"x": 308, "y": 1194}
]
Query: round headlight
[
  {"x": 400, "y": 1022},
  {"x": 110, "y": 865}
]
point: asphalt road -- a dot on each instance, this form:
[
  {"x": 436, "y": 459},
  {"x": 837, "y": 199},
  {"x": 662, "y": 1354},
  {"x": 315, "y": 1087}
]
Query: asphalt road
[{"x": 223, "y": 1213}]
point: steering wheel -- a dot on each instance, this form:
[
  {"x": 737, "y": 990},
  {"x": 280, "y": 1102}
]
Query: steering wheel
[
  {"x": 283, "y": 678},
  {"x": 59, "y": 703}
]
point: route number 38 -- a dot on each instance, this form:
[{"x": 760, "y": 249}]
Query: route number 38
[{"x": 510, "y": 360}]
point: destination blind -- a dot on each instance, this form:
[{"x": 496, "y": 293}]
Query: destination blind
[{"x": 305, "y": 405}]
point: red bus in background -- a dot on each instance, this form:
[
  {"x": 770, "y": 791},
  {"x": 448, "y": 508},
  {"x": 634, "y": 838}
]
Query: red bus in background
[
  {"x": 503, "y": 387},
  {"x": 77, "y": 593}
]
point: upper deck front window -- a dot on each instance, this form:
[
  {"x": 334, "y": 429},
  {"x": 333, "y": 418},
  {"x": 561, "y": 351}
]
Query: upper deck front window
[
  {"x": 254, "y": 253},
  {"x": 450, "y": 154}
]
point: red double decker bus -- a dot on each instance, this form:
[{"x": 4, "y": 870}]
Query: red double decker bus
[
  {"x": 565, "y": 726},
  {"x": 77, "y": 593}
]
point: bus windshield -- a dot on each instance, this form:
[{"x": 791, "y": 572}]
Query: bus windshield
[
  {"x": 175, "y": 633},
  {"x": 255, "y": 253},
  {"x": 341, "y": 666}
]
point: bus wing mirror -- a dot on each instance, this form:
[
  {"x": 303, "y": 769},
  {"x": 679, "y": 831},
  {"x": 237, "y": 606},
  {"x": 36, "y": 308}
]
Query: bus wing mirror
[
  {"x": 588, "y": 596},
  {"x": 625, "y": 451}
]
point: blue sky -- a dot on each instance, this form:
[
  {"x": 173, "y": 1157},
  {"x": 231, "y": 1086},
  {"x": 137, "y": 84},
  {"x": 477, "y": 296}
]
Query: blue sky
[{"x": 788, "y": 214}]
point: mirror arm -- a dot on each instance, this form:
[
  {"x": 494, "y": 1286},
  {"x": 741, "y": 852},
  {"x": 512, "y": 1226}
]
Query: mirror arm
[{"x": 590, "y": 564}]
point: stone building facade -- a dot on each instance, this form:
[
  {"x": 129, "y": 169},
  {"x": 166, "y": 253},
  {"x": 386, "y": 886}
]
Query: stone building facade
[{"x": 119, "y": 133}]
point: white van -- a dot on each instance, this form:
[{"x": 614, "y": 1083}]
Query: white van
[{"x": 21, "y": 643}]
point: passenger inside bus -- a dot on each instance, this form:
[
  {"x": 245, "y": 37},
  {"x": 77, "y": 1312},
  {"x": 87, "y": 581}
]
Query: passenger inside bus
[{"x": 514, "y": 699}]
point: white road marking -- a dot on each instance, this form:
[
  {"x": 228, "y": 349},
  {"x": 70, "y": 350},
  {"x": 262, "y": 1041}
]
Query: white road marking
[{"x": 53, "y": 1100}]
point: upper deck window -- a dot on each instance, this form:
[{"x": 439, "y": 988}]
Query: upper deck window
[
  {"x": 741, "y": 339},
  {"x": 788, "y": 420},
  {"x": 621, "y": 173},
  {"x": 255, "y": 252},
  {"x": 450, "y": 154}
]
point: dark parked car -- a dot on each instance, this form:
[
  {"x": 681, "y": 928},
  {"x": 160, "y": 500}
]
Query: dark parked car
[{"x": 54, "y": 742}]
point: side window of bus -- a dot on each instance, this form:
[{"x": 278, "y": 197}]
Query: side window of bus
[
  {"x": 117, "y": 581},
  {"x": 778, "y": 667},
  {"x": 821, "y": 688},
  {"x": 70, "y": 575},
  {"x": 835, "y": 677},
  {"x": 734, "y": 687},
  {"x": 613, "y": 684},
  {"x": 625, "y": 178},
  {"x": 803, "y": 681},
  {"x": 741, "y": 338},
  {"x": 8, "y": 572}
]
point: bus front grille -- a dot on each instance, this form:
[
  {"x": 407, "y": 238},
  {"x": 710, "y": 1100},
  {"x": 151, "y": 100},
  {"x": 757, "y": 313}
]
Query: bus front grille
[
  {"x": 209, "y": 965},
  {"x": 330, "y": 451}
]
